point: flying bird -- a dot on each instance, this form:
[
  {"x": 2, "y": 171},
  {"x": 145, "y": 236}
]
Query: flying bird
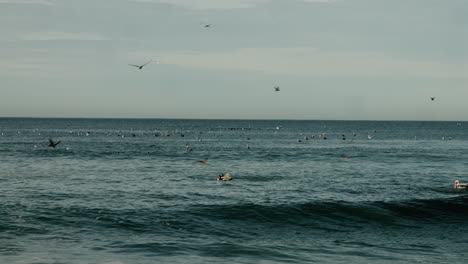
[
  {"x": 140, "y": 66},
  {"x": 208, "y": 25},
  {"x": 432, "y": 98},
  {"x": 277, "y": 89},
  {"x": 53, "y": 144}
]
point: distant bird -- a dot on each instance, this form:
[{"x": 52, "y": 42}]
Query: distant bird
[
  {"x": 432, "y": 98},
  {"x": 140, "y": 66},
  {"x": 53, "y": 144},
  {"x": 203, "y": 162},
  {"x": 208, "y": 25},
  {"x": 188, "y": 148},
  {"x": 277, "y": 89}
]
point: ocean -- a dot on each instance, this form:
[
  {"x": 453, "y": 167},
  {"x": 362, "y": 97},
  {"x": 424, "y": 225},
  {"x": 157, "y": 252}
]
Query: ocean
[{"x": 129, "y": 191}]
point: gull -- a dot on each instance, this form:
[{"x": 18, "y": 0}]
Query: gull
[
  {"x": 140, "y": 66},
  {"x": 188, "y": 148},
  {"x": 277, "y": 89},
  {"x": 53, "y": 144}
]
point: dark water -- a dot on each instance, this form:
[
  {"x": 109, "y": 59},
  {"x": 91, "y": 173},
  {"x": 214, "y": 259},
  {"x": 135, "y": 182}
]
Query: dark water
[{"x": 111, "y": 197}]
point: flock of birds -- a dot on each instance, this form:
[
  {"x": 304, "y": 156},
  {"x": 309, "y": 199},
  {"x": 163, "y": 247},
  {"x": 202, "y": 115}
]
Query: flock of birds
[
  {"x": 276, "y": 88},
  {"x": 222, "y": 177},
  {"x": 140, "y": 67}
]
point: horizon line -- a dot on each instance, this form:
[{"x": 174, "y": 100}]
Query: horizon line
[{"x": 234, "y": 119}]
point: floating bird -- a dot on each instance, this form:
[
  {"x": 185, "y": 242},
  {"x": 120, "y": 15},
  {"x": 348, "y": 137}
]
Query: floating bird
[
  {"x": 432, "y": 98},
  {"x": 277, "y": 89},
  {"x": 53, "y": 144},
  {"x": 188, "y": 148},
  {"x": 224, "y": 177},
  {"x": 203, "y": 162},
  {"x": 459, "y": 185},
  {"x": 140, "y": 66}
]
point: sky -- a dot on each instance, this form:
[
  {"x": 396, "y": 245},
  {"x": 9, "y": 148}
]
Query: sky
[{"x": 333, "y": 59}]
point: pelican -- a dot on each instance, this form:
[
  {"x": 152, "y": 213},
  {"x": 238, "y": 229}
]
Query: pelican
[
  {"x": 53, "y": 144},
  {"x": 224, "y": 177},
  {"x": 459, "y": 185},
  {"x": 140, "y": 66}
]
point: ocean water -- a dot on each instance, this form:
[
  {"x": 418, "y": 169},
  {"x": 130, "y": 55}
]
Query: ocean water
[{"x": 125, "y": 191}]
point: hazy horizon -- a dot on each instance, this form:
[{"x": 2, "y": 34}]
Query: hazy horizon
[
  {"x": 232, "y": 119},
  {"x": 333, "y": 59}
]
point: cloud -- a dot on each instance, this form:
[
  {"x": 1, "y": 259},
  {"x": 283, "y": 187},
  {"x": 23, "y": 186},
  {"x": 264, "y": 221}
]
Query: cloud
[
  {"x": 208, "y": 4},
  {"x": 56, "y": 35},
  {"x": 36, "y": 2},
  {"x": 319, "y": 1},
  {"x": 219, "y": 4},
  {"x": 305, "y": 61}
]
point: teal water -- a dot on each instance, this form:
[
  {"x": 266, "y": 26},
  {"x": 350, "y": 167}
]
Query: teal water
[{"x": 126, "y": 191}]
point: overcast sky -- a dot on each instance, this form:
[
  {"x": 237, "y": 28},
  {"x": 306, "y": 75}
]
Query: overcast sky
[{"x": 333, "y": 59}]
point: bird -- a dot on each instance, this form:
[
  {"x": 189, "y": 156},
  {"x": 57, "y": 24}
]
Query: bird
[
  {"x": 208, "y": 25},
  {"x": 140, "y": 66},
  {"x": 188, "y": 148},
  {"x": 203, "y": 162},
  {"x": 224, "y": 177},
  {"x": 277, "y": 89},
  {"x": 459, "y": 185},
  {"x": 432, "y": 98},
  {"x": 53, "y": 144}
]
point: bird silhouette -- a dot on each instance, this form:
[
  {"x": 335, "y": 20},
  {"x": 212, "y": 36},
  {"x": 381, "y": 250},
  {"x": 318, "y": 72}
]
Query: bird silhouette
[
  {"x": 208, "y": 25},
  {"x": 277, "y": 89},
  {"x": 140, "y": 66},
  {"x": 432, "y": 98},
  {"x": 53, "y": 144}
]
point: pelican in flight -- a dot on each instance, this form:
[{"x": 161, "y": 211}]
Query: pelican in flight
[
  {"x": 140, "y": 66},
  {"x": 432, "y": 98},
  {"x": 53, "y": 144},
  {"x": 277, "y": 89}
]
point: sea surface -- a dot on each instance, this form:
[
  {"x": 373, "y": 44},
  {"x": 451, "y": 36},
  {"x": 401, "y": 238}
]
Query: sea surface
[{"x": 129, "y": 191}]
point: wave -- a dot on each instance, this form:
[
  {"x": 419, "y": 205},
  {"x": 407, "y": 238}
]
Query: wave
[
  {"x": 337, "y": 216},
  {"x": 341, "y": 212}
]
